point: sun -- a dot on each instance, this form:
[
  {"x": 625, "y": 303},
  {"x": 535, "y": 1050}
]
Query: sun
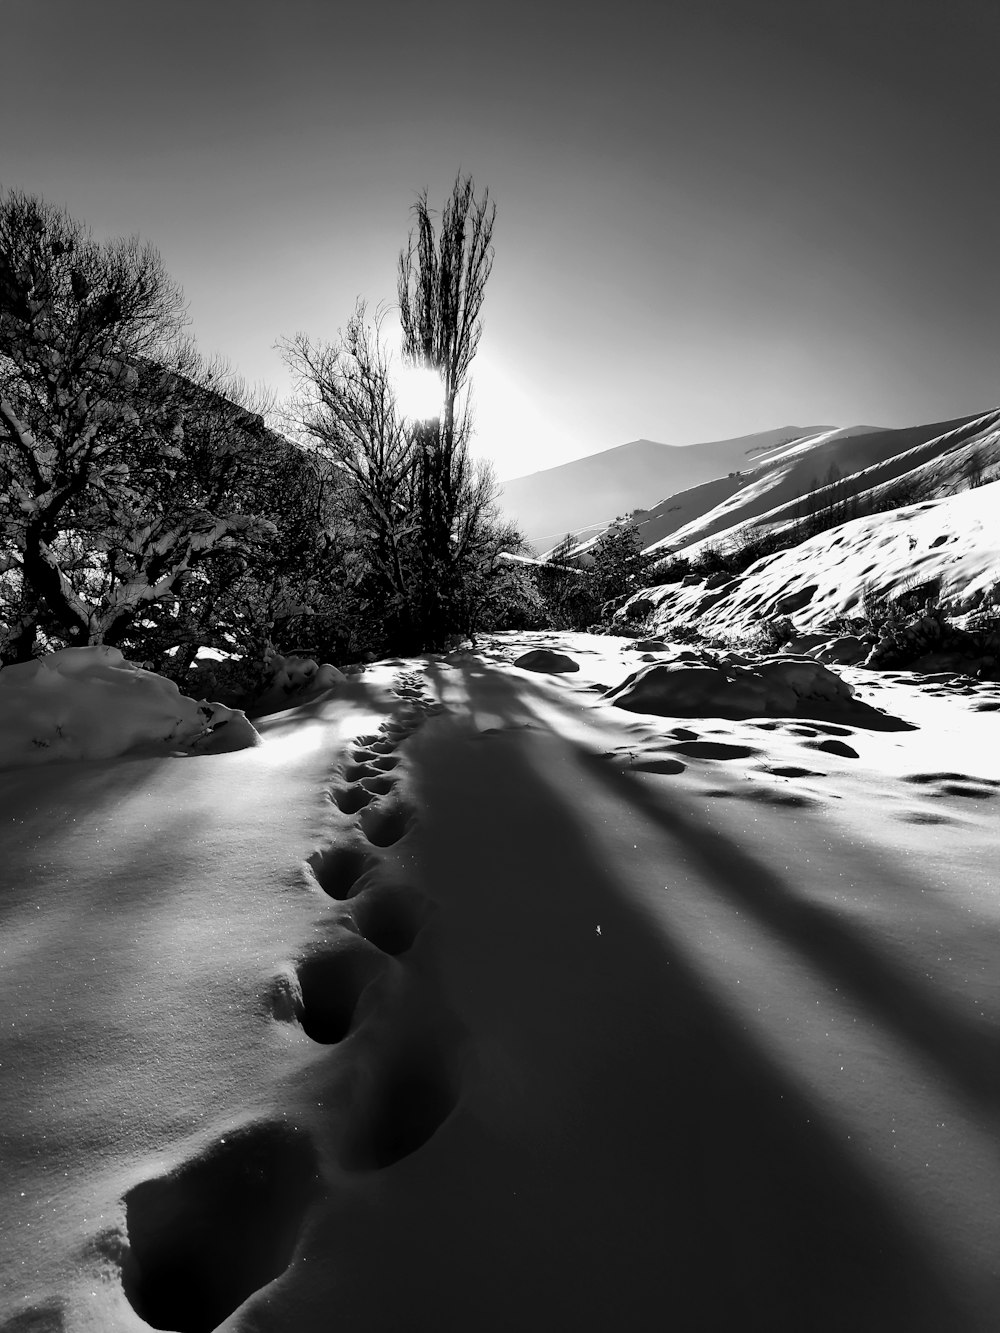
[{"x": 419, "y": 393}]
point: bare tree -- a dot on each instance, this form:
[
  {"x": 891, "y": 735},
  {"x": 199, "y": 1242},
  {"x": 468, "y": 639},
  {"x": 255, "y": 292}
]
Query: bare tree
[
  {"x": 116, "y": 440},
  {"x": 422, "y": 512},
  {"x": 441, "y": 287},
  {"x": 345, "y": 407}
]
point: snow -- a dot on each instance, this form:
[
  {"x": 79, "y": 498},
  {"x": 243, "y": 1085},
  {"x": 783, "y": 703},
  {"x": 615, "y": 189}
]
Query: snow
[
  {"x": 90, "y": 703},
  {"x": 467, "y": 999},
  {"x": 295, "y": 678},
  {"x": 954, "y": 540}
]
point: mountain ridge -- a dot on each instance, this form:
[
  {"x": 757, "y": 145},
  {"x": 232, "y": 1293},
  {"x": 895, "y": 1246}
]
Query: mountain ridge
[{"x": 588, "y": 493}]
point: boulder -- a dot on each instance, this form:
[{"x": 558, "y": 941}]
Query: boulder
[
  {"x": 778, "y": 686},
  {"x": 848, "y": 650},
  {"x": 546, "y": 659}
]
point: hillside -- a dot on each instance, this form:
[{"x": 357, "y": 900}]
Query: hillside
[
  {"x": 953, "y": 542},
  {"x": 780, "y": 486},
  {"x": 859, "y": 458},
  {"x": 928, "y": 520},
  {"x": 588, "y": 493}
]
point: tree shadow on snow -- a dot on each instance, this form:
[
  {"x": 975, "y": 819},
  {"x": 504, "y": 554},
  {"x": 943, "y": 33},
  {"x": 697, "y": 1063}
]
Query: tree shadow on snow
[{"x": 670, "y": 1169}]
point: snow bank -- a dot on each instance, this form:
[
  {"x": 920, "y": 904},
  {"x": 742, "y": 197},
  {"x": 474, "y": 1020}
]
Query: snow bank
[{"x": 90, "y": 703}]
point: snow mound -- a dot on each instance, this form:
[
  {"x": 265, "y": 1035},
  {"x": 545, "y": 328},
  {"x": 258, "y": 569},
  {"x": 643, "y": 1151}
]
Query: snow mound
[
  {"x": 546, "y": 659},
  {"x": 90, "y": 703},
  {"x": 735, "y": 686}
]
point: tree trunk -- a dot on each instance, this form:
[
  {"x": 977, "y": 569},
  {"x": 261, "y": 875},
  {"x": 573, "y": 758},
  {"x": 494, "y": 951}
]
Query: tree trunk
[{"x": 43, "y": 578}]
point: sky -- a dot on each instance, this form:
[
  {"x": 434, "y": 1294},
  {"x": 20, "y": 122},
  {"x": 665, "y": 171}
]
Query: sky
[{"x": 713, "y": 216}]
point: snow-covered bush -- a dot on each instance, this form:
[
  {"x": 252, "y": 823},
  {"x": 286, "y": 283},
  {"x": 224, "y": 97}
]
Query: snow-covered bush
[{"x": 143, "y": 502}]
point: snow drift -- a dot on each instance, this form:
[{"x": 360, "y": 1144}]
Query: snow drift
[{"x": 90, "y": 703}]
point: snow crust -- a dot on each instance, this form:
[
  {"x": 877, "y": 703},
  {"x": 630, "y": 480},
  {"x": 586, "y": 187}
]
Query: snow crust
[{"x": 91, "y": 703}]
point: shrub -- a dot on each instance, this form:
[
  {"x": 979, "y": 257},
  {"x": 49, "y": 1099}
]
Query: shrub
[
  {"x": 772, "y": 635},
  {"x": 672, "y": 570}
]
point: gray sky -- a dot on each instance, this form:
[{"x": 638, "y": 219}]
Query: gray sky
[{"x": 713, "y": 216}]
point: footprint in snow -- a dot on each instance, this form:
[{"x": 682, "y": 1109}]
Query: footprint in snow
[
  {"x": 204, "y": 1237},
  {"x": 409, "y": 1101},
  {"x": 714, "y": 750},
  {"x": 350, "y": 799},
  {"x": 790, "y": 771},
  {"x": 384, "y": 824},
  {"x": 337, "y": 869},
  {"x": 328, "y": 985},
  {"x": 832, "y": 746},
  {"x": 386, "y": 762},
  {"x": 390, "y": 916}
]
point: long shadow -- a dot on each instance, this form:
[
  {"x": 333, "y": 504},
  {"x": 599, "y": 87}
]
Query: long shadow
[
  {"x": 969, "y": 1057},
  {"x": 701, "y": 1187}
]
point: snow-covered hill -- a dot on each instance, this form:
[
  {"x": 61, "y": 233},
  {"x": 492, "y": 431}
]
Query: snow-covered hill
[
  {"x": 780, "y": 484},
  {"x": 952, "y": 541},
  {"x": 588, "y": 493}
]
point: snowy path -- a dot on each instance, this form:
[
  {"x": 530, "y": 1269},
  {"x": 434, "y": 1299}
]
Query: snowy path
[{"x": 574, "y": 1019}]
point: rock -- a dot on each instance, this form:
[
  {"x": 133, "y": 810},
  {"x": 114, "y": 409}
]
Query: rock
[
  {"x": 848, "y": 650},
  {"x": 638, "y": 609},
  {"x": 804, "y": 643},
  {"x": 773, "y": 687},
  {"x": 546, "y": 659},
  {"x": 612, "y": 607}
]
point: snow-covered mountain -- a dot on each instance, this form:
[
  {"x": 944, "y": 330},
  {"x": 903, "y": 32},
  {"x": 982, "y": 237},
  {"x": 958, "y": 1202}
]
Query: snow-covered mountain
[
  {"x": 585, "y": 495},
  {"x": 776, "y": 487},
  {"x": 921, "y": 521},
  {"x": 952, "y": 542}
]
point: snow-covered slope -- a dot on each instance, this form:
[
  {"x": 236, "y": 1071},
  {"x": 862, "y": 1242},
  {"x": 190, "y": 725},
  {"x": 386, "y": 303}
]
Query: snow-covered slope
[
  {"x": 954, "y": 541},
  {"x": 776, "y": 488},
  {"x": 590, "y": 492}
]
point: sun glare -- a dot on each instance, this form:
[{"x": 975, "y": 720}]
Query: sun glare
[{"x": 419, "y": 393}]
